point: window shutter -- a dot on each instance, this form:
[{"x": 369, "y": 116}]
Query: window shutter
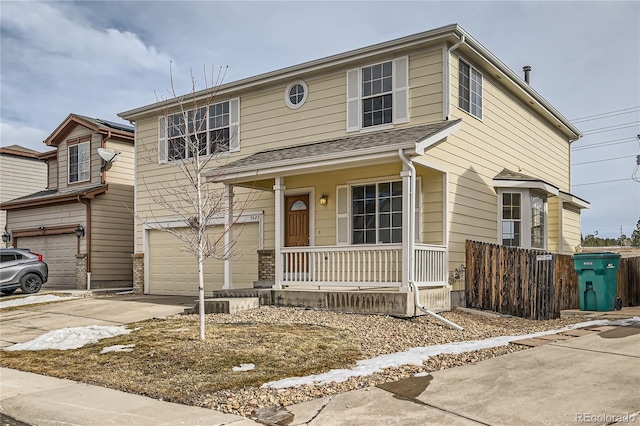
[
  {"x": 342, "y": 215},
  {"x": 353, "y": 100},
  {"x": 234, "y": 125},
  {"x": 162, "y": 140},
  {"x": 418, "y": 221},
  {"x": 401, "y": 90}
]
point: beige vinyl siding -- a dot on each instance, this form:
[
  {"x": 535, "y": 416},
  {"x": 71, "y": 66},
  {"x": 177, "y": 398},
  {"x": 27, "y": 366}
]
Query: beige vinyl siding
[
  {"x": 121, "y": 171},
  {"x": 63, "y": 214},
  {"x": 571, "y": 232},
  {"x": 508, "y": 136},
  {"x": 52, "y": 173},
  {"x": 112, "y": 235},
  {"x": 553, "y": 224},
  {"x": 21, "y": 176}
]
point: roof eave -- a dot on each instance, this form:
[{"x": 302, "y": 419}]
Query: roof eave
[
  {"x": 308, "y": 164},
  {"x": 66, "y": 198}
]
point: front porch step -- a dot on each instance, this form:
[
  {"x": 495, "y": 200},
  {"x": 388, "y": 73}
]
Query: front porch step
[{"x": 226, "y": 305}]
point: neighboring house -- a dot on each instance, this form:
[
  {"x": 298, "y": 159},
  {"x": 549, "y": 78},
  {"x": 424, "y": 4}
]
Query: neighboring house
[
  {"x": 85, "y": 196},
  {"x": 21, "y": 173},
  {"x": 371, "y": 169}
]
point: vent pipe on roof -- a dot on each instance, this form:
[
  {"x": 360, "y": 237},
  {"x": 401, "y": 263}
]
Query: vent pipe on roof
[{"x": 527, "y": 73}]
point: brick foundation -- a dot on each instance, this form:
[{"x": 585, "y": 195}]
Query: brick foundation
[{"x": 266, "y": 265}]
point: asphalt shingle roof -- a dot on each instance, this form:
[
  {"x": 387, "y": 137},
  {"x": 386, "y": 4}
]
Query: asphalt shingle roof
[
  {"x": 348, "y": 145},
  {"x": 46, "y": 194}
]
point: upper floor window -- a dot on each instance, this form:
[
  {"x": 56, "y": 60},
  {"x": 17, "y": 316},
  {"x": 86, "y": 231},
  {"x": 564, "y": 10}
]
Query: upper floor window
[
  {"x": 523, "y": 219},
  {"x": 79, "y": 162},
  {"x": 205, "y": 130},
  {"x": 378, "y": 94},
  {"x": 470, "y": 89}
]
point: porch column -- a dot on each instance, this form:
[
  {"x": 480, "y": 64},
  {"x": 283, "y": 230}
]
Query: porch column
[
  {"x": 228, "y": 239},
  {"x": 407, "y": 233},
  {"x": 279, "y": 231}
]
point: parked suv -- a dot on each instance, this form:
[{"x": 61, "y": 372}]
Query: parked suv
[{"x": 20, "y": 268}]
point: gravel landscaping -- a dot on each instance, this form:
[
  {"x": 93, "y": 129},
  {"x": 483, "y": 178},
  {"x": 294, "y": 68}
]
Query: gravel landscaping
[
  {"x": 165, "y": 360},
  {"x": 378, "y": 335}
]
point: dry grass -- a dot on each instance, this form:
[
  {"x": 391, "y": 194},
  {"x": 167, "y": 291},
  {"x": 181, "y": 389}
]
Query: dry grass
[{"x": 171, "y": 363}]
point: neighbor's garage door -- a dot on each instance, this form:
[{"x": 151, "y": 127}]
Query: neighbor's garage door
[
  {"x": 174, "y": 271},
  {"x": 59, "y": 252}
]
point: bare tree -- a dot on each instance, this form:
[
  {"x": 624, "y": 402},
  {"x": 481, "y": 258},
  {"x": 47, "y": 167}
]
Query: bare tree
[{"x": 196, "y": 133}]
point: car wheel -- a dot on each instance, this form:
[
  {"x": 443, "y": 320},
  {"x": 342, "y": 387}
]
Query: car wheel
[
  {"x": 8, "y": 292},
  {"x": 31, "y": 283}
]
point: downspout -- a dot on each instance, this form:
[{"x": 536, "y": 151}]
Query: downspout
[
  {"x": 447, "y": 76},
  {"x": 87, "y": 203},
  {"x": 412, "y": 225}
]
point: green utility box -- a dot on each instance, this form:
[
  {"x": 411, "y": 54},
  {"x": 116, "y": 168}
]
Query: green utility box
[{"x": 596, "y": 280}]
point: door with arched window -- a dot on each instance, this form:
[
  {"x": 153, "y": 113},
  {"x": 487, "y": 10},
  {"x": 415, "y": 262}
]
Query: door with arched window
[{"x": 296, "y": 231}]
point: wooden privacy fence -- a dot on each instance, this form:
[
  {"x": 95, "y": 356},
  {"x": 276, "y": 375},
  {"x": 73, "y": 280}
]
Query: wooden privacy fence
[{"x": 531, "y": 283}]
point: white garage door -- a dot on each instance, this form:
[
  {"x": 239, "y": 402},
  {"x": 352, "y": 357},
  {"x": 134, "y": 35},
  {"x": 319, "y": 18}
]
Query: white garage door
[
  {"x": 59, "y": 252},
  {"x": 174, "y": 271}
]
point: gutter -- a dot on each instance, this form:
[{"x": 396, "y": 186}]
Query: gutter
[{"x": 411, "y": 232}]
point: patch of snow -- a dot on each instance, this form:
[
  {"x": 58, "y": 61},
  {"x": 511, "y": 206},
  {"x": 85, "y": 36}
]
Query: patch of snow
[
  {"x": 244, "y": 367},
  {"x": 118, "y": 348},
  {"x": 70, "y": 338},
  {"x": 416, "y": 356},
  {"x": 32, "y": 300},
  {"x": 423, "y": 374}
]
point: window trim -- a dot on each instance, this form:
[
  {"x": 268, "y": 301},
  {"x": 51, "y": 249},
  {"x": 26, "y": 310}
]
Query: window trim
[
  {"x": 526, "y": 217},
  {"x": 472, "y": 70},
  {"x": 77, "y": 143},
  {"x": 287, "y": 98}
]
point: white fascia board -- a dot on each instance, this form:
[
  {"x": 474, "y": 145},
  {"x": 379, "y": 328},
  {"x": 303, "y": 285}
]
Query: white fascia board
[
  {"x": 332, "y": 161},
  {"x": 575, "y": 201},
  {"x": 526, "y": 184},
  {"x": 429, "y": 141}
]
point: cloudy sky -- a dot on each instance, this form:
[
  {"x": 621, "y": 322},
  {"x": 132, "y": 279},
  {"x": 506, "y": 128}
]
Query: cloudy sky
[{"x": 102, "y": 58}]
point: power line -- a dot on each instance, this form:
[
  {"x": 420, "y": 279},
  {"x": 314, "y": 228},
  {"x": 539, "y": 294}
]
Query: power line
[
  {"x": 604, "y": 181},
  {"x": 611, "y": 128},
  {"x": 606, "y": 114},
  {"x": 604, "y": 144},
  {"x": 606, "y": 159}
]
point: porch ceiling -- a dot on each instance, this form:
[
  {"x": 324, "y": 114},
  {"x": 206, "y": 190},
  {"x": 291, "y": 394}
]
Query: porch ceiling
[{"x": 339, "y": 153}]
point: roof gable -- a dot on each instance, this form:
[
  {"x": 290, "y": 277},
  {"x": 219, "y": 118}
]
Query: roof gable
[{"x": 94, "y": 124}]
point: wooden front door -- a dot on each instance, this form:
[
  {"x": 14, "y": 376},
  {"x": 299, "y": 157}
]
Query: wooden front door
[{"x": 296, "y": 233}]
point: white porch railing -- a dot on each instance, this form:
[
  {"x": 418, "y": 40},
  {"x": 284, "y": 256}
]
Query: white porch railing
[{"x": 360, "y": 266}]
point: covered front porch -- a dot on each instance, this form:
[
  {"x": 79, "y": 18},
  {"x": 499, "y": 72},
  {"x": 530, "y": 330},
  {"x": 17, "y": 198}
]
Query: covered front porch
[{"x": 349, "y": 218}]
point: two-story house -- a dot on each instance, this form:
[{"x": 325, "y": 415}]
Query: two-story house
[
  {"x": 367, "y": 171},
  {"x": 22, "y": 172},
  {"x": 82, "y": 223}
]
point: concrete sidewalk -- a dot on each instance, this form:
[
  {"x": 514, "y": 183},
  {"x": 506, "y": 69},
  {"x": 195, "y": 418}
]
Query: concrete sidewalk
[
  {"x": 590, "y": 379},
  {"x": 41, "y": 400}
]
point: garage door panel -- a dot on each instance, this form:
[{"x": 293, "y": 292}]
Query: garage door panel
[
  {"x": 173, "y": 270},
  {"x": 59, "y": 252}
]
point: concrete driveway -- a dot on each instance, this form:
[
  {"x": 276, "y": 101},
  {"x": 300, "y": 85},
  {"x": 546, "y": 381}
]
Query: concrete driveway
[{"x": 21, "y": 324}]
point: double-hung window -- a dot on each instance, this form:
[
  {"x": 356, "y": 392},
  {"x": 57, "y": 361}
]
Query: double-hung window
[
  {"x": 79, "y": 162},
  {"x": 377, "y": 94},
  {"x": 206, "y": 130},
  {"x": 523, "y": 219},
  {"x": 470, "y": 89}
]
